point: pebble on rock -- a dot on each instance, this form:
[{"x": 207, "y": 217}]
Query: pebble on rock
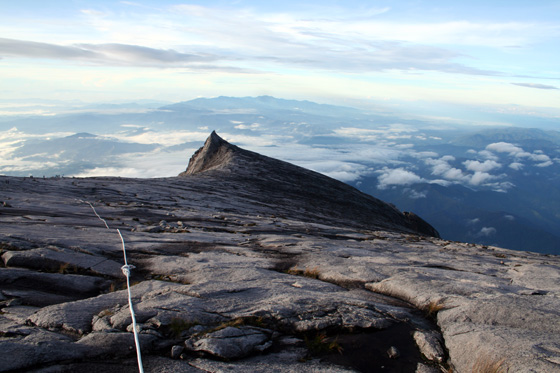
[{"x": 393, "y": 352}]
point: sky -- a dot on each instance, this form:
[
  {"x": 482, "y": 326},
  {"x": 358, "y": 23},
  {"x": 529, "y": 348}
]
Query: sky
[{"x": 352, "y": 51}]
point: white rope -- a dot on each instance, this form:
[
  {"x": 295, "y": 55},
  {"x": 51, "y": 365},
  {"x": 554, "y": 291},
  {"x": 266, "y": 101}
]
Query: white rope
[{"x": 126, "y": 268}]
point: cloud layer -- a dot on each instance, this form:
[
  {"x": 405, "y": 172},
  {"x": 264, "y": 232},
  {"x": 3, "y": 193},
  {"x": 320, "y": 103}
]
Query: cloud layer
[
  {"x": 103, "y": 54},
  {"x": 320, "y": 38},
  {"x": 535, "y": 85}
]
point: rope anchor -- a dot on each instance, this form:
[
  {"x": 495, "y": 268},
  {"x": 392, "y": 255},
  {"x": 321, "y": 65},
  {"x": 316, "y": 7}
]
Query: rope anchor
[{"x": 126, "y": 269}]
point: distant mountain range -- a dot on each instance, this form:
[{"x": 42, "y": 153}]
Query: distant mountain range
[
  {"x": 489, "y": 185},
  {"x": 532, "y": 138}
]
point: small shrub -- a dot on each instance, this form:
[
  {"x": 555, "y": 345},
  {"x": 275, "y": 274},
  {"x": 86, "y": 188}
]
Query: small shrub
[
  {"x": 311, "y": 272},
  {"x": 434, "y": 307},
  {"x": 257, "y": 321},
  {"x": 177, "y": 326},
  {"x": 321, "y": 344},
  {"x": 294, "y": 270},
  {"x": 486, "y": 364},
  {"x": 116, "y": 286},
  {"x": 308, "y": 272},
  {"x": 285, "y": 265},
  {"x": 106, "y": 312},
  {"x": 251, "y": 320},
  {"x": 65, "y": 268}
]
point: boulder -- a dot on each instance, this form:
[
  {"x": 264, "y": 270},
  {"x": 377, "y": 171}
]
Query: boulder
[
  {"x": 62, "y": 260},
  {"x": 77, "y": 317},
  {"x": 232, "y": 342},
  {"x": 429, "y": 344}
]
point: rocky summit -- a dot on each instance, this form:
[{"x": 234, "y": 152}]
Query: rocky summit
[{"x": 245, "y": 263}]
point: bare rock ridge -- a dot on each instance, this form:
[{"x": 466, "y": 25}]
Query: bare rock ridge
[
  {"x": 277, "y": 181},
  {"x": 215, "y": 153}
]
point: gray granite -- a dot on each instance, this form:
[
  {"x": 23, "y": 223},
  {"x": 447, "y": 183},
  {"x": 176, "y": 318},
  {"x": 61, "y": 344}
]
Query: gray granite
[{"x": 241, "y": 243}]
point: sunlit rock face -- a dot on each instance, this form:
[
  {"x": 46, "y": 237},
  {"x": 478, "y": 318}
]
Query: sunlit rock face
[{"x": 246, "y": 263}]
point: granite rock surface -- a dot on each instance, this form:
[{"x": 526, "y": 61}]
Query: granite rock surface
[{"x": 245, "y": 263}]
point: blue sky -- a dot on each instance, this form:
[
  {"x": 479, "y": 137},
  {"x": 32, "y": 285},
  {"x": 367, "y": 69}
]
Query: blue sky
[{"x": 502, "y": 53}]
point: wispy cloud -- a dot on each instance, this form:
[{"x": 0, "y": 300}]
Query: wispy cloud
[
  {"x": 198, "y": 34},
  {"x": 535, "y": 85},
  {"x": 31, "y": 49},
  {"x": 104, "y": 54},
  {"x": 310, "y": 50}
]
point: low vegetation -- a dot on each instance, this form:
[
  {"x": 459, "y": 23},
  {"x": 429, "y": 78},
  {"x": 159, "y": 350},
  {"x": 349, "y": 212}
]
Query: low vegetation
[
  {"x": 487, "y": 364},
  {"x": 434, "y": 307},
  {"x": 307, "y": 272},
  {"x": 177, "y": 326},
  {"x": 320, "y": 343}
]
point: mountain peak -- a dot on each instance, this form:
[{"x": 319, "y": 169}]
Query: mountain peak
[
  {"x": 216, "y": 152},
  {"x": 303, "y": 193}
]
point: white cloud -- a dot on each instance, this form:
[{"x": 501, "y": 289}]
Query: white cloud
[
  {"x": 504, "y": 147},
  {"x": 285, "y": 148},
  {"x": 545, "y": 164},
  {"x": 343, "y": 162},
  {"x": 111, "y": 171},
  {"x": 516, "y": 166},
  {"x": 536, "y": 85},
  {"x": 239, "y": 35},
  {"x": 340, "y": 170},
  {"x": 509, "y": 217},
  {"x": 502, "y": 187},
  {"x": 538, "y": 157},
  {"x": 441, "y": 182},
  {"x": 485, "y": 166},
  {"x": 480, "y": 178},
  {"x": 404, "y": 146},
  {"x": 486, "y": 232},
  {"x": 473, "y": 221},
  {"x": 111, "y": 54},
  {"x": 398, "y": 176},
  {"x": 251, "y": 127},
  {"x": 157, "y": 163},
  {"x": 455, "y": 174},
  {"x": 414, "y": 194},
  {"x": 425, "y": 154},
  {"x": 440, "y": 166},
  {"x": 165, "y": 138},
  {"x": 13, "y": 139},
  {"x": 517, "y": 152},
  {"x": 393, "y": 132},
  {"x": 488, "y": 155}
]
